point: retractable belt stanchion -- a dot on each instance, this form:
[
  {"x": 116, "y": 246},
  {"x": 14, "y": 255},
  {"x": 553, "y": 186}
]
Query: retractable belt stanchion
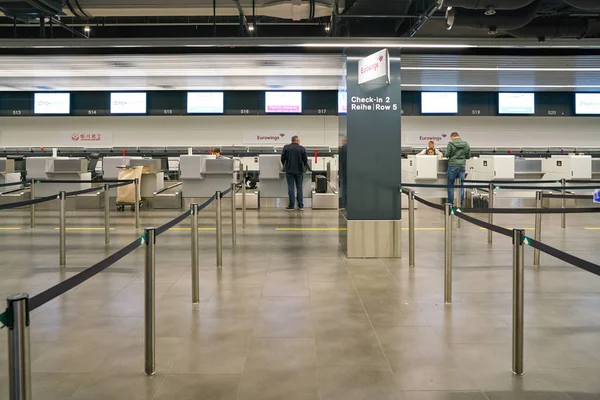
[
  {"x": 137, "y": 203},
  {"x": 457, "y": 200},
  {"x": 243, "y": 197},
  {"x": 149, "y": 303},
  {"x": 411, "y": 228},
  {"x": 32, "y": 209},
  {"x": 219, "y": 231},
  {"x": 538, "y": 228},
  {"x": 233, "y": 215},
  {"x": 19, "y": 356},
  {"x": 490, "y": 215},
  {"x": 62, "y": 229},
  {"x": 106, "y": 214},
  {"x": 518, "y": 301},
  {"x": 195, "y": 263},
  {"x": 448, "y": 255},
  {"x": 563, "y": 203}
]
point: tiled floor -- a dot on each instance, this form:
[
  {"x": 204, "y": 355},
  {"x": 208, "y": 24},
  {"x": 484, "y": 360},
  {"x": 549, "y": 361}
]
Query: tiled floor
[{"x": 289, "y": 318}]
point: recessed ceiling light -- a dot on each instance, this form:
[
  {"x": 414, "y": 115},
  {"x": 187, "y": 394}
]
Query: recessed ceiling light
[
  {"x": 87, "y": 28},
  {"x": 251, "y": 27}
]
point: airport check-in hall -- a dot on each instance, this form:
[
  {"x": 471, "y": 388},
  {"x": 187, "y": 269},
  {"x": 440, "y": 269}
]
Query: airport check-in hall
[{"x": 300, "y": 200}]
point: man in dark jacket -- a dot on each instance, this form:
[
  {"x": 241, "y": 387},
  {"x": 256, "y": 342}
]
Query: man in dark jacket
[
  {"x": 457, "y": 153},
  {"x": 294, "y": 162}
]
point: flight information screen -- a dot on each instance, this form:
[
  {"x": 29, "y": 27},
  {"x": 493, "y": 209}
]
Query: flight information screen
[
  {"x": 205, "y": 103},
  {"x": 283, "y": 102},
  {"x": 128, "y": 103},
  {"x": 439, "y": 103},
  {"x": 587, "y": 103},
  {"x": 516, "y": 103},
  {"x": 52, "y": 103}
]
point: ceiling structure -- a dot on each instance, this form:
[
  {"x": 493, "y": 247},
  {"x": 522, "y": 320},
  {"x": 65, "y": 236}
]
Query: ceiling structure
[
  {"x": 292, "y": 72},
  {"x": 538, "y": 19}
]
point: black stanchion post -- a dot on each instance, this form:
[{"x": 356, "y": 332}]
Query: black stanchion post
[
  {"x": 32, "y": 209},
  {"x": 137, "y": 203},
  {"x": 106, "y": 213},
  {"x": 243, "y": 196},
  {"x": 195, "y": 263},
  {"x": 538, "y": 227},
  {"x": 62, "y": 229},
  {"x": 448, "y": 254},
  {"x": 19, "y": 358},
  {"x": 457, "y": 200},
  {"x": 518, "y": 301},
  {"x": 563, "y": 201},
  {"x": 411, "y": 228},
  {"x": 490, "y": 215},
  {"x": 219, "y": 231},
  {"x": 233, "y": 215},
  {"x": 149, "y": 303}
]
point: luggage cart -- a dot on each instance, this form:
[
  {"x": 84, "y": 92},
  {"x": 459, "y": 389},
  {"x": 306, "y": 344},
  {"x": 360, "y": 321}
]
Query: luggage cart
[{"x": 126, "y": 194}]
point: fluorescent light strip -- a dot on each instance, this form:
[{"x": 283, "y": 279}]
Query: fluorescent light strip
[
  {"x": 501, "y": 69},
  {"x": 381, "y": 45},
  {"x": 417, "y": 85}
]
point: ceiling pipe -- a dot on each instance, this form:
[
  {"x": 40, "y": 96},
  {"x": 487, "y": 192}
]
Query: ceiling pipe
[
  {"x": 502, "y": 20},
  {"x": 552, "y": 28},
  {"x": 488, "y": 4},
  {"x": 590, "y": 5},
  {"x": 68, "y": 28}
]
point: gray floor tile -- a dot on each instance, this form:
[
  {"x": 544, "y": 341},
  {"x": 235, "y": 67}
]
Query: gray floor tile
[
  {"x": 443, "y": 395},
  {"x": 198, "y": 387},
  {"x": 293, "y": 384},
  {"x": 357, "y": 383}
]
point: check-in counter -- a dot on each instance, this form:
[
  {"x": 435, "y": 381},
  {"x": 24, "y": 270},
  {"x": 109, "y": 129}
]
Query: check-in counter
[
  {"x": 60, "y": 169},
  {"x": 491, "y": 168},
  {"x": 273, "y": 183},
  {"x": 203, "y": 175},
  {"x": 567, "y": 167},
  {"x": 153, "y": 179},
  {"x": 110, "y": 169},
  {"x": 425, "y": 169},
  {"x": 8, "y": 175}
]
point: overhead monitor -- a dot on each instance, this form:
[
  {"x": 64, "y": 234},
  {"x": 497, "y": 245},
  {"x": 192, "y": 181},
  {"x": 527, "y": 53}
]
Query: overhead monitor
[
  {"x": 342, "y": 102},
  {"x": 439, "y": 103},
  {"x": 283, "y": 102},
  {"x": 516, "y": 103},
  {"x": 52, "y": 103},
  {"x": 128, "y": 103},
  {"x": 587, "y": 103},
  {"x": 205, "y": 103}
]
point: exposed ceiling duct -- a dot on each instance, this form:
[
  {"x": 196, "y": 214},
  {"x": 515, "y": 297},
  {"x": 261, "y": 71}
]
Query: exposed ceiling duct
[
  {"x": 490, "y": 5},
  {"x": 149, "y": 8},
  {"x": 500, "y": 20},
  {"x": 591, "y": 5},
  {"x": 552, "y": 28},
  {"x": 23, "y": 8},
  {"x": 387, "y": 16}
]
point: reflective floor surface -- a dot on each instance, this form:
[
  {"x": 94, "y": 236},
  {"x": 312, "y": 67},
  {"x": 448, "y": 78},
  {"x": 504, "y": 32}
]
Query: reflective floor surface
[{"x": 288, "y": 317}]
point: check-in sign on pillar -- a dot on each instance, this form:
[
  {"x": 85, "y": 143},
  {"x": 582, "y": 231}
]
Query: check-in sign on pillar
[{"x": 373, "y": 151}]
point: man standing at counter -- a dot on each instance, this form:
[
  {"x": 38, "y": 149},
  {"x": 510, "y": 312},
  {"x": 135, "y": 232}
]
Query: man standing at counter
[
  {"x": 457, "y": 153},
  {"x": 295, "y": 163}
]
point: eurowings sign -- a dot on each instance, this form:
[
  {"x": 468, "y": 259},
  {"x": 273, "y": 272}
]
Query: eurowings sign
[{"x": 375, "y": 68}]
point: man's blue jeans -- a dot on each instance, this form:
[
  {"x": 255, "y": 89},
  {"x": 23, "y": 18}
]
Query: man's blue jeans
[
  {"x": 454, "y": 173},
  {"x": 297, "y": 180}
]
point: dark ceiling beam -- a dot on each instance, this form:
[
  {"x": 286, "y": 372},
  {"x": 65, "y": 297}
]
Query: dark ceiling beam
[
  {"x": 243, "y": 19},
  {"x": 426, "y": 16},
  {"x": 68, "y": 28}
]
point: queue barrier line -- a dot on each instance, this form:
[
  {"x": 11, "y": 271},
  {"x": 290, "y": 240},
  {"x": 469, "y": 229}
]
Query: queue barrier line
[
  {"x": 516, "y": 187},
  {"x": 83, "y": 181},
  {"x": 589, "y": 210},
  {"x": 15, "y": 183},
  {"x": 56, "y": 196},
  {"x": 563, "y": 256},
  {"x": 76, "y": 280},
  {"x": 511, "y": 182}
]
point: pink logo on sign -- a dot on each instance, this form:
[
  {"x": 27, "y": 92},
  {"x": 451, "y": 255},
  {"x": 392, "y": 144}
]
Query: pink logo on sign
[{"x": 75, "y": 137}]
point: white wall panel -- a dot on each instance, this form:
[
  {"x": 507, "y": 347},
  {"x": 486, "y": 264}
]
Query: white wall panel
[
  {"x": 166, "y": 131},
  {"x": 314, "y": 130}
]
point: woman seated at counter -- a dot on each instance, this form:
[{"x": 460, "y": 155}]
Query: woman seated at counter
[{"x": 429, "y": 149}]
